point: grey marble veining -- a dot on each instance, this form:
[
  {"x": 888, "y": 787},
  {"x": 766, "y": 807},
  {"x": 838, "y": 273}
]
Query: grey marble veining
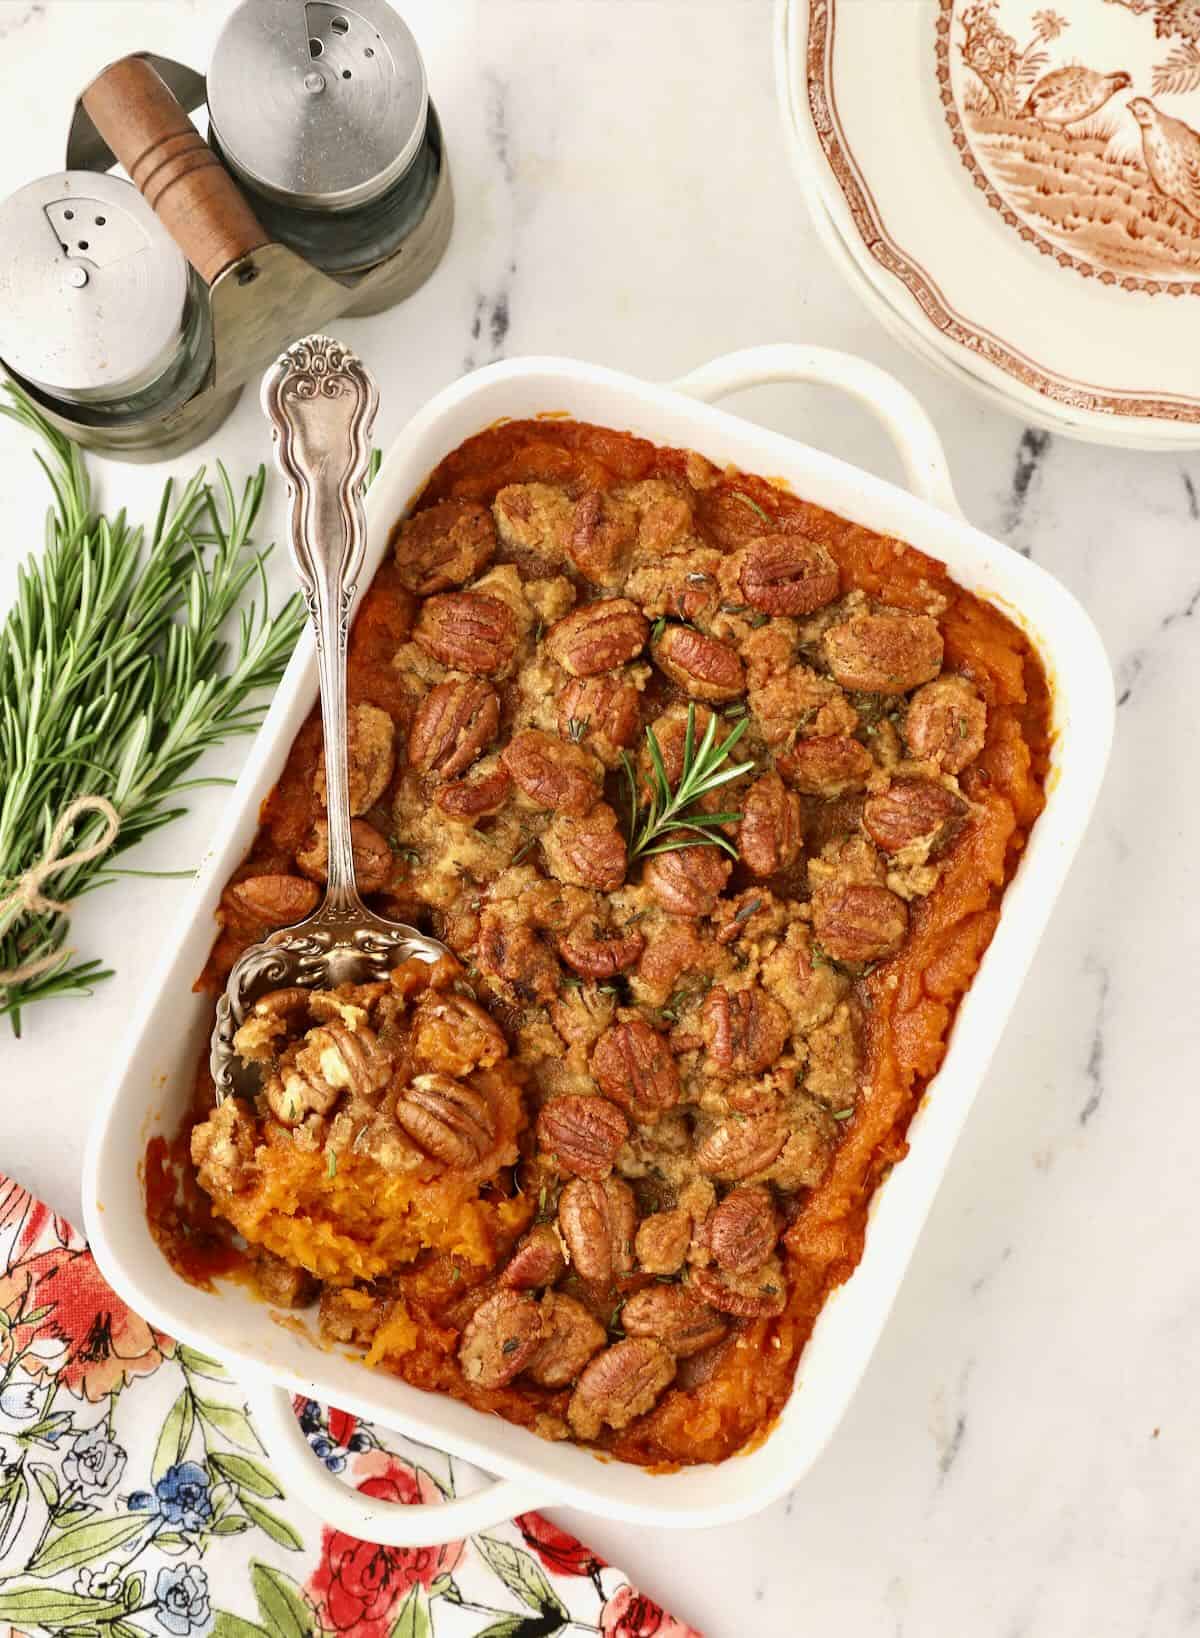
[{"x": 1021, "y": 1456}]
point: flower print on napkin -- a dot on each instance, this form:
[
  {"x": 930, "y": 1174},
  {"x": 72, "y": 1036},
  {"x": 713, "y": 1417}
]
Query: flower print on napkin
[{"x": 136, "y": 1500}]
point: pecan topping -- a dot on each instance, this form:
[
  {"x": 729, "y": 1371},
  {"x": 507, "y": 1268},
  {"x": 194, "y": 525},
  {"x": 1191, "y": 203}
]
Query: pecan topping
[
  {"x": 455, "y": 723},
  {"x": 786, "y": 574},
  {"x": 570, "y": 1336},
  {"x": 455, "y": 1035},
  {"x": 633, "y": 1066},
  {"x": 582, "y": 1133},
  {"x": 739, "y": 1148},
  {"x": 373, "y": 861},
  {"x": 601, "y": 713},
  {"x": 451, "y": 1122},
  {"x": 618, "y": 1385},
  {"x": 537, "y": 1260},
  {"x": 701, "y": 665},
  {"x": 468, "y": 631},
  {"x": 277, "y": 901},
  {"x": 674, "y": 1316},
  {"x": 344, "y": 1058},
  {"x": 595, "y": 949},
  {"x": 828, "y": 766},
  {"x": 222, "y": 1147},
  {"x": 598, "y": 637},
  {"x": 742, "y": 1232},
  {"x": 372, "y": 757},
  {"x": 470, "y": 799},
  {"x": 597, "y": 1221},
  {"x": 513, "y": 952},
  {"x": 552, "y": 773},
  {"x": 744, "y": 1030},
  {"x": 688, "y": 880},
  {"x": 500, "y": 1339},
  {"x": 769, "y": 836},
  {"x": 946, "y": 724},
  {"x": 662, "y": 1241},
  {"x": 859, "y": 923},
  {"x": 748, "y": 1296},
  {"x": 587, "y": 852},
  {"x": 911, "y": 811},
  {"x": 885, "y": 653},
  {"x": 445, "y": 545},
  {"x": 600, "y": 539}
]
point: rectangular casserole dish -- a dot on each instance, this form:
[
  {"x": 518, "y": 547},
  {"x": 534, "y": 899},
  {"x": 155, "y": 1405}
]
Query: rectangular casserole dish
[{"x": 152, "y": 1082}]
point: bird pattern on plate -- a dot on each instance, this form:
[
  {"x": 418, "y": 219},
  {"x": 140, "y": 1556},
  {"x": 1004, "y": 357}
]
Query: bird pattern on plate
[{"x": 1082, "y": 128}]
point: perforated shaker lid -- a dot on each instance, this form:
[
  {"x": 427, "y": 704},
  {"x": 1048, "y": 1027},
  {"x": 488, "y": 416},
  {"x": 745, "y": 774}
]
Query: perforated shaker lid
[
  {"x": 317, "y": 105},
  {"x": 93, "y": 289}
]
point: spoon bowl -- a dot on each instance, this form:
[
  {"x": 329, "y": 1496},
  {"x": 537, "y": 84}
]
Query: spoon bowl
[{"x": 321, "y": 403}]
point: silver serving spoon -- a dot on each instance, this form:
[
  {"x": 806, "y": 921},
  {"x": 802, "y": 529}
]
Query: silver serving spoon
[{"x": 321, "y": 404}]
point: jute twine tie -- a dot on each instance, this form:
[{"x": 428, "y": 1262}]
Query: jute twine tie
[{"x": 26, "y": 892}]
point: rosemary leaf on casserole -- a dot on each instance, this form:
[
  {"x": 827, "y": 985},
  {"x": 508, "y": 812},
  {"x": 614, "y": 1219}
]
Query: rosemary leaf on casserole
[
  {"x": 670, "y": 819},
  {"x": 116, "y": 673}
]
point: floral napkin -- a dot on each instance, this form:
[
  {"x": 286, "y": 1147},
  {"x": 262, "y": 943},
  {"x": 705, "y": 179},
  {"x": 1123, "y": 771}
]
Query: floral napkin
[{"x": 136, "y": 1500}]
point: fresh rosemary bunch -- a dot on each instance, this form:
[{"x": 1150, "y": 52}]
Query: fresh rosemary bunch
[
  {"x": 668, "y": 820},
  {"x": 114, "y": 678}
]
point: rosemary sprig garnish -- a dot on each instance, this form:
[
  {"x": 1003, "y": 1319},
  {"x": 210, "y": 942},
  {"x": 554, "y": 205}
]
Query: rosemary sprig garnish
[
  {"x": 115, "y": 676},
  {"x": 669, "y": 820}
]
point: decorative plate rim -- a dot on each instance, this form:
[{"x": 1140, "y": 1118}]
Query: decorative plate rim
[{"x": 812, "y": 35}]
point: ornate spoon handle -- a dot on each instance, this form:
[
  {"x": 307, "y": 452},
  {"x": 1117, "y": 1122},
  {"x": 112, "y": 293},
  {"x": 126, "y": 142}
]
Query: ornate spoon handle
[{"x": 321, "y": 404}]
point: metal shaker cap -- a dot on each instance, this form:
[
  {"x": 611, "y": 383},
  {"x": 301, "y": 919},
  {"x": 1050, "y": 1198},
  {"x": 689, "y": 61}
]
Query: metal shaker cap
[
  {"x": 317, "y": 105},
  {"x": 93, "y": 289}
]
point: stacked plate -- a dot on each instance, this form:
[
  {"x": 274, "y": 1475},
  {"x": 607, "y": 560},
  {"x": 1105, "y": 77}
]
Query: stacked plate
[{"x": 1015, "y": 192}]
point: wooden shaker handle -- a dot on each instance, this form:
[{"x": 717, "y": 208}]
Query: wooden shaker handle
[{"x": 173, "y": 167}]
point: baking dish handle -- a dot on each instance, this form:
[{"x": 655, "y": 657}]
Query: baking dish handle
[
  {"x": 911, "y": 430},
  {"x": 391, "y": 1524}
]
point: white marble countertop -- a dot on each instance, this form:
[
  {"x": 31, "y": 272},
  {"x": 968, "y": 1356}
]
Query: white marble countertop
[{"x": 1021, "y": 1456}]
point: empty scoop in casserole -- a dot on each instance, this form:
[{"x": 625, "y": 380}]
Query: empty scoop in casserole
[{"x": 724, "y": 955}]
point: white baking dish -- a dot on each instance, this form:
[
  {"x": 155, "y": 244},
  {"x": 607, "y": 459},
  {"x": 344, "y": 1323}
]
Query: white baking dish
[{"x": 152, "y": 1083}]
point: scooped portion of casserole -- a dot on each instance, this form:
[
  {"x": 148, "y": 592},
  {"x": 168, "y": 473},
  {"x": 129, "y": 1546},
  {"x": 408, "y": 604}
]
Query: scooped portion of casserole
[{"x": 715, "y": 796}]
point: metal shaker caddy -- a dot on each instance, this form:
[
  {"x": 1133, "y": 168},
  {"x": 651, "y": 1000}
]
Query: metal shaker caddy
[{"x": 134, "y": 312}]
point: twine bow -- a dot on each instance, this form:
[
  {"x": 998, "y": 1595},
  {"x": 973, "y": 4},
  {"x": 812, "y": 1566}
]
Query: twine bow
[{"x": 26, "y": 892}]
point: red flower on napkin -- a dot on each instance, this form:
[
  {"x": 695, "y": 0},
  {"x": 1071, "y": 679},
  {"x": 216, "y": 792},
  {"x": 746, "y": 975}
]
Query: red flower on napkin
[
  {"x": 630, "y": 1614},
  {"x": 82, "y": 1333},
  {"x": 358, "y": 1585},
  {"x": 562, "y": 1553}
]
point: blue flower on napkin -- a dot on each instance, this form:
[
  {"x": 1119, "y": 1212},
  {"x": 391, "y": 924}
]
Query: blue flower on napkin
[
  {"x": 180, "y": 1496},
  {"x": 181, "y": 1594},
  {"x": 94, "y": 1462}
]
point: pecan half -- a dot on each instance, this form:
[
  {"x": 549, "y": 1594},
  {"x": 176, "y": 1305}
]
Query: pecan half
[
  {"x": 828, "y": 766},
  {"x": 448, "y": 1120},
  {"x": 598, "y": 637},
  {"x": 688, "y": 880},
  {"x": 619, "y": 1385},
  {"x": 454, "y": 724},
  {"x": 373, "y": 860},
  {"x": 742, "y": 1232},
  {"x": 859, "y": 922},
  {"x": 570, "y": 1337},
  {"x": 787, "y": 574},
  {"x": 371, "y": 741},
  {"x": 601, "y": 713},
  {"x": 443, "y": 546},
  {"x": 582, "y": 1133},
  {"x": 633, "y": 1066},
  {"x": 500, "y": 1339},
  {"x": 747, "y": 1296},
  {"x": 600, "y": 538},
  {"x": 471, "y": 799},
  {"x": 537, "y": 1260},
  {"x": 594, "y": 948},
  {"x": 885, "y": 653},
  {"x": 587, "y": 852},
  {"x": 702, "y": 666},
  {"x": 912, "y": 811},
  {"x": 662, "y": 1241},
  {"x": 454, "y": 1035},
  {"x": 597, "y": 1221},
  {"x": 769, "y": 836},
  {"x": 744, "y": 1030},
  {"x": 276, "y": 901},
  {"x": 343, "y": 1058},
  {"x": 946, "y": 724},
  {"x": 674, "y": 1316},
  {"x": 468, "y": 631},
  {"x": 552, "y": 773},
  {"x": 738, "y": 1148}
]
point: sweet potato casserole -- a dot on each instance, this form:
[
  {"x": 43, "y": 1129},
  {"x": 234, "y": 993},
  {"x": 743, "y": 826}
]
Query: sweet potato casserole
[{"x": 714, "y": 795}]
